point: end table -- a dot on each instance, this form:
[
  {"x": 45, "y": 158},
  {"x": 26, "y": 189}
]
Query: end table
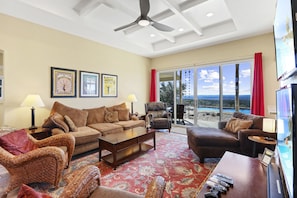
[
  {"x": 261, "y": 140},
  {"x": 40, "y": 132}
]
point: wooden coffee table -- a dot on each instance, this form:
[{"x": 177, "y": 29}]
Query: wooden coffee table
[{"x": 127, "y": 145}]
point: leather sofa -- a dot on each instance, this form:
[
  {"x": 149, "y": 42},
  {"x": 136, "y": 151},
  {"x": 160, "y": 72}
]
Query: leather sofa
[
  {"x": 209, "y": 142},
  {"x": 86, "y": 125}
]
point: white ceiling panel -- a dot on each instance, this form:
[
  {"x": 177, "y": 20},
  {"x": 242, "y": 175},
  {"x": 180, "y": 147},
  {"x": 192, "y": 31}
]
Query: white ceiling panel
[{"x": 97, "y": 19}]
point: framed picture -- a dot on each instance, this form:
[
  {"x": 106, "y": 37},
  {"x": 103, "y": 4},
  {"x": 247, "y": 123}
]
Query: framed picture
[
  {"x": 267, "y": 156},
  {"x": 109, "y": 85},
  {"x": 63, "y": 82},
  {"x": 89, "y": 83}
]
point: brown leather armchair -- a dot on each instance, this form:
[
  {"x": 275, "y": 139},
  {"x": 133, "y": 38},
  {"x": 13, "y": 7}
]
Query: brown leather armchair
[
  {"x": 85, "y": 182},
  {"x": 158, "y": 116},
  {"x": 45, "y": 163}
]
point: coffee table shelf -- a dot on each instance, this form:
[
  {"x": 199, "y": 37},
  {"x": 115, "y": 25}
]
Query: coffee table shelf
[
  {"x": 126, "y": 145},
  {"x": 127, "y": 154}
]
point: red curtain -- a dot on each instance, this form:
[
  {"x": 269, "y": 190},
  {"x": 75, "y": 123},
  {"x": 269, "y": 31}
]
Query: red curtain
[
  {"x": 258, "y": 87},
  {"x": 153, "y": 94}
]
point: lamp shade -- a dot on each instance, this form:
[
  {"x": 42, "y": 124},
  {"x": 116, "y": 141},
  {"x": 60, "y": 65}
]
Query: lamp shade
[
  {"x": 132, "y": 98},
  {"x": 269, "y": 125},
  {"x": 32, "y": 100}
]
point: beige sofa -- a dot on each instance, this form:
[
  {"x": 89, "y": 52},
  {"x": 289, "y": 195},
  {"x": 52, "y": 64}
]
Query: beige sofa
[{"x": 86, "y": 125}]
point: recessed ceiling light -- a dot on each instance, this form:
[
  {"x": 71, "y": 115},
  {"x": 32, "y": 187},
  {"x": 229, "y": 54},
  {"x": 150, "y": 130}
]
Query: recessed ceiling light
[
  {"x": 209, "y": 14},
  {"x": 180, "y": 29},
  {"x": 152, "y": 35}
]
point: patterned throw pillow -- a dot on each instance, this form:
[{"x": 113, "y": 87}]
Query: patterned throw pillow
[
  {"x": 28, "y": 192},
  {"x": 17, "y": 142},
  {"x": 111, "y": 116},
  {"x": 58, "y": 119}
]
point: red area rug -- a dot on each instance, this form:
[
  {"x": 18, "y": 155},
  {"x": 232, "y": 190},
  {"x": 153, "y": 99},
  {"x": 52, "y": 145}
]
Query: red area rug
[{"x": 172, "y": 159}]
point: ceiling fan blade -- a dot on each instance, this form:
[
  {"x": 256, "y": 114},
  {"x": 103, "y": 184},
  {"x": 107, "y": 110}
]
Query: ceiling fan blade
[
  {"x": 161, "y": 27},
  {"x": 144, "y": 7},
  {"x": 125, "y": 26}
]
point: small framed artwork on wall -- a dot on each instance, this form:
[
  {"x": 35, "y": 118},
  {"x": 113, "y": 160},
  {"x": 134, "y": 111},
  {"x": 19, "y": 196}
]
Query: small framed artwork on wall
[
  {"x": 63, "y": 82},
  {"x": 109, "y": 85},
  {"x": 89, "y": 84}
]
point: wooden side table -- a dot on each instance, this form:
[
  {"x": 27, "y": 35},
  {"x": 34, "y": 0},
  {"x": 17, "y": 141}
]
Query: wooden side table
[
  {"x": 261, "y": 140},
  {"x": 40, "y": 133}
]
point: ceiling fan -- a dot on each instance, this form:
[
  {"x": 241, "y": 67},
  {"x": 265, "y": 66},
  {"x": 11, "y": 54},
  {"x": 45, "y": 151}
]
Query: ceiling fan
[{"x": 144, "y": 20}]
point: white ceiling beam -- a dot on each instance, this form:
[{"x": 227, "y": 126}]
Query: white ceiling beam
[
  {"x": 174, "y": 7},
  {"x": 84, "y": 7}
]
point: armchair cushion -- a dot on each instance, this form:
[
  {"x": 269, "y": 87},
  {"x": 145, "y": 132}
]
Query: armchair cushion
[
  {"x": 158, "y": 114},
  {"x": 17, "y": 142},
  {"x": 28, "y": 192}
]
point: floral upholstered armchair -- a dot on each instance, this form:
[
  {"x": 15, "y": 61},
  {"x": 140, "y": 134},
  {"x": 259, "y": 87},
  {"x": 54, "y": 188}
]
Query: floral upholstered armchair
[
  {"x": 85, "y": 182},
  {"x": 157, "y": 115},
  {"x": 29, "y": 160}
]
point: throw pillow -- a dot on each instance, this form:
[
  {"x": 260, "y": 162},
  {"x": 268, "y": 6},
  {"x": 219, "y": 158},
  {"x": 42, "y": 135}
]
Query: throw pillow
[
  {"x": 70, "y": 123},
  {"x": 17, "y": 142},
  {"x": 236, "y": 124},
  {"x": 28, "y": 192},
  {"x": 111, "y": 116},
  {"x": 134, "y": 117},
  {"x": 58, "y": 119},
  {"x": 123, "y": 114}
]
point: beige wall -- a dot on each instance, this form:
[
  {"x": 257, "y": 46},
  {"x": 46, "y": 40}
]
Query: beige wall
[
  {"x": 29, "y": 52},
  {"x": 236, "y": 50}
]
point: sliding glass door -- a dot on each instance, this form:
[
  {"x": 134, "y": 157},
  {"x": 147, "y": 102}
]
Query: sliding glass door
[{"x": 205, "y": 95}]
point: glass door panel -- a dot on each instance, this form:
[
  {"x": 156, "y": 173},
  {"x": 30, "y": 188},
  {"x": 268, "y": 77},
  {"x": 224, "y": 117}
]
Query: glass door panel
[{"x": 208, "y": 93}]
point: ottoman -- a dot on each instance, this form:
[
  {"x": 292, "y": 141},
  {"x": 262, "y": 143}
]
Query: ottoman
[{"x": 209, "y": 142}]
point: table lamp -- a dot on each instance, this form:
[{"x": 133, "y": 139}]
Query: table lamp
[
  {"x": 132, "y": 98},
  {"x": 269, "y": 126},
  {"x": 32, "y": 101}
]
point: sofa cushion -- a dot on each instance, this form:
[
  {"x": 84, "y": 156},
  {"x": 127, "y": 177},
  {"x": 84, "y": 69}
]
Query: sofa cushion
[
  {"x": 119, "y": 106},
  {"x": 70, "y": 123},
  {"x": 107, "y": 128},
  {"x": 79, "y": 117},
  {"x": 85, "y": 135},
  {"x": 17, "y": 142},
  {"x": 124, "y": 114},
  {"x": 96, "y": 115},
  {"x": 236, "y": 124},
  {"x": 111, "y": 116},
  {"x": 131, "y": 124}
]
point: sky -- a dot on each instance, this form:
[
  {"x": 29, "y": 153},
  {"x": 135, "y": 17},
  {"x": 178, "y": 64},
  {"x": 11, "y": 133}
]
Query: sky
[{"x": 208, "y": 79}]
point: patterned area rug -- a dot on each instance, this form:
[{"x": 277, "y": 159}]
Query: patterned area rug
[{"x": 172, "y": 159}]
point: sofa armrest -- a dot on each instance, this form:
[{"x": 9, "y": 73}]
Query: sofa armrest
[
  {"x": 156, "y": 188},
  {"x": 246, "y": 145}
]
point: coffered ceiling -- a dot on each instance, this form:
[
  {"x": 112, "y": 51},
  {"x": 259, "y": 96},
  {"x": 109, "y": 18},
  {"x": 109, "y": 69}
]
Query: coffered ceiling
[{"x": 196, "y": 23}]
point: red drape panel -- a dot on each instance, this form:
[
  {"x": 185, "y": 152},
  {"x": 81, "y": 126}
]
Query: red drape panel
[
  {"x": 153, "y": 94},
  {"x": 258, "y": 87}
]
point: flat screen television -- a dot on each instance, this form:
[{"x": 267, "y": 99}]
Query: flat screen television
[
  {"x": 286, "y": 106},
  {"x": 284, "y": 38}
]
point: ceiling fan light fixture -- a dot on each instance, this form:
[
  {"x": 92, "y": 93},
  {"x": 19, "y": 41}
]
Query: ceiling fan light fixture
[{"x": 143, "y": 22}]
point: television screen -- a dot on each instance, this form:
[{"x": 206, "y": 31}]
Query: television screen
[
  {"x": 285, "y": 130},
  {"x": 284, "y": 39}
]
